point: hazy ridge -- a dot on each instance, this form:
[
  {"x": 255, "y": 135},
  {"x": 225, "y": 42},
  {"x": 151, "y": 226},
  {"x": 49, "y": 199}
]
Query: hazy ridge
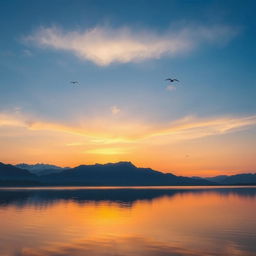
[{"x": 111, "y": 174}]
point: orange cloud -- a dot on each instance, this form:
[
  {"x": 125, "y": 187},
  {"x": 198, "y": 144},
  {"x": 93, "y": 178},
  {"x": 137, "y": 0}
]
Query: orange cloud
[
  {"x": 106, "y": 131},
  {"x": 24, "y": 137}
]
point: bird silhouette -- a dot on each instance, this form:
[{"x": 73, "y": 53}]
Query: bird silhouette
[
  {"x": 172, "y": 80},
  {"x": 74, "y": 82}
]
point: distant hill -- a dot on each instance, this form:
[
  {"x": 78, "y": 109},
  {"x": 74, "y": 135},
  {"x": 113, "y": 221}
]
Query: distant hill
[
  {"x": 218, "y": 179},
  {"x": 8, "y": 171},
  {"x": 240, "y": 179},
  {"x": 11, "y": 175},
  {"x": 41, "y": 169},
  {"x": 117, "y": 174}
]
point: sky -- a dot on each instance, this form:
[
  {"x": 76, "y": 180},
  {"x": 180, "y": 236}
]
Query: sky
[{"x": 123, "y": 109}]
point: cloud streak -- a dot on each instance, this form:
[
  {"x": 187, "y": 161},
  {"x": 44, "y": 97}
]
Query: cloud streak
[
  {"x": 104, "y": 45},
  {"x": 107, "y": 131}
]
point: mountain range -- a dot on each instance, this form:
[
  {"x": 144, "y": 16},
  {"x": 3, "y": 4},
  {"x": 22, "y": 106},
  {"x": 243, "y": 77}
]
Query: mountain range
[
  {"x": 41, "y": 169},
  {"x": 111, "y": 174}
]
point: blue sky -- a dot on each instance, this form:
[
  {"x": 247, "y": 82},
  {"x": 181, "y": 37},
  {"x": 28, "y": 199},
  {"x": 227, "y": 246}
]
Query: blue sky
[{"x": 121, "y": 52}]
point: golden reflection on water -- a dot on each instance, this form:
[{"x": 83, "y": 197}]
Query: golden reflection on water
[{"x": 185, "y": 222}]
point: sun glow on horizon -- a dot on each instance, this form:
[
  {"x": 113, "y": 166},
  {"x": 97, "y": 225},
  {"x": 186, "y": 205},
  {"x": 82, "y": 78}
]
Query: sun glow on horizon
[{"x": 188, "y": 146}]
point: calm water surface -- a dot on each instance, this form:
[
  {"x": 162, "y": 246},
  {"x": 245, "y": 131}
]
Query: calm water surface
[{"x": 154, "y": 221}]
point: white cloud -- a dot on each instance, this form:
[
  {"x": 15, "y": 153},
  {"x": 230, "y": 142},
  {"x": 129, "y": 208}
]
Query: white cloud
[
  {"x": 115, "y": 110},
  {"x": 103, "y": 46}
]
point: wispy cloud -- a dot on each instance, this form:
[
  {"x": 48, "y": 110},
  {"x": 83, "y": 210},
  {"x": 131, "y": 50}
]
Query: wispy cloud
[
  {"x": 192, "y": 127},
  {"x": 131, "y": 131},
  {"x": 105, "y": 45}
]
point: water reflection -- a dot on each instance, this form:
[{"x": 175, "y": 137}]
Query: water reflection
[
  {"x": 126, "y": 246},
  {"x": 128, "y": 221},
  {"x": 126, "y": 197}
]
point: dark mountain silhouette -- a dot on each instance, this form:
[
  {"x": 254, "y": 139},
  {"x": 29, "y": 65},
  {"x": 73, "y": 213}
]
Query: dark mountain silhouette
[
  {"x": 217, "y": 179},
  {"x": 41, "y": 169},
  {"x": 8, "y": 171},
  {"x": 11, "y": 175},
  {"x": 111, "y": 174},
  {"x": 240, "y": 179},
  {"x": 117, "y": 174}
]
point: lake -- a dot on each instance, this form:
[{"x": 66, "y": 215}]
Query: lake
[{"x": 125, "y": 221}]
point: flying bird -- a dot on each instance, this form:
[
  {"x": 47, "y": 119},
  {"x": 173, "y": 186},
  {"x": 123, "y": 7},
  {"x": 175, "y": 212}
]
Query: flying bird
[
  {"x": 74, "y": 82},
  {"x": 172, "y": 80}
]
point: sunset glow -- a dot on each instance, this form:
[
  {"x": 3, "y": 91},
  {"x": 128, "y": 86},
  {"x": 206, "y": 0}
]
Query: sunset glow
[
  {"x": 127, "y": 128},
  {"x": 121, "y": 107}
]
